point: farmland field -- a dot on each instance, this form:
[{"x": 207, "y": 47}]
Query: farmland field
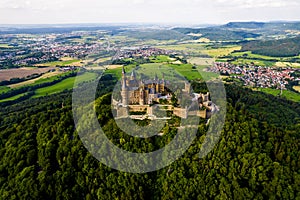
[
  {"x": 224, "y": 51},
  {"x": 44, "y": 77},
  {"x": 192, "y": 48},
  {"x": 249, "y": 54},
  {"x": 64, "y": 85},
  {"x": 201, "y": 61},
  {"x": 7, "y": 74},
  {"x": 242, "y": 61},
  {"x": 287, "y": 64},
  {"x": 62, "y": 63},
  {"x": 297, "y": 88}
]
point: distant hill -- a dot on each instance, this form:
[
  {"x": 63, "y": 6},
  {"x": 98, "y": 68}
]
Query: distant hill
[
  {"x": 244, "y": 30},
  {"x": 250, "y": 25},
  {"x": 58, "y": 30},
  {"x": 264, "y": 25},
  {"x": 277, "y": 48},
  {"x": 218, "y": 33},
  {"x": 156, "y": 35}
]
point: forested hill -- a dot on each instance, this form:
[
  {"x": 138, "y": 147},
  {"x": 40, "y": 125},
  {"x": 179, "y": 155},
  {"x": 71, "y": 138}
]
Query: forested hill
[
  {"x": 218, "y": 34},
  {"x": 264, "y": 25},
  {"x": 277, "y": 48},
  {"x": 42, "y": 156},
  {"x": 244, "y": 30}
]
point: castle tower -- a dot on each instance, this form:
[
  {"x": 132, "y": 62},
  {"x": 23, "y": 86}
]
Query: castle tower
[
  {"x": 187, "y": 87},
  {"x": 124, "y": 92},
  {"x": 163, "y": 83},
  {"x": 142, "y": 97}
]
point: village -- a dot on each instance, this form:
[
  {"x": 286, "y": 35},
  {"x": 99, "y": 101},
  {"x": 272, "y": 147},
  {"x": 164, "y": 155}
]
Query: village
[{"x": 257, "y": 76}]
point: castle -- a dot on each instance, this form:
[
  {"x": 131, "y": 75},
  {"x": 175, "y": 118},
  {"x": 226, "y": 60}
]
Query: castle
[
  {"x": 136, "y": 92},
  {"x": 140, "y": 96}
]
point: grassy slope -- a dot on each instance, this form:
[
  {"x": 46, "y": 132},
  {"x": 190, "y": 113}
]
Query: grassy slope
[
  {"x": 169, "y": 70},
  {"x": 3, "y": 89},
  {"x": 12, "y": 98},
  {"x": 293, "y": 96},
  {"x": 64, "y": 85}
]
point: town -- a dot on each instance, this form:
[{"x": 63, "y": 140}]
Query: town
[
  {"x": 27, "y": 50},
  {"x": 257, "y": 76}
]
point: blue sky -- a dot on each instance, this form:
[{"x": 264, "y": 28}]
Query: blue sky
[{"x": 151, "y": 11}]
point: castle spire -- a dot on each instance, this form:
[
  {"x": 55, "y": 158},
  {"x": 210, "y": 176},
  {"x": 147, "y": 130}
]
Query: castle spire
[
  {"x": 123, "y": 78},
  {"x": 155, "y": 78},
  {"x": 132, "y": 77}
]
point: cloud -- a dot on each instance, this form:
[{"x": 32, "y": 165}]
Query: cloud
[
  {"x": 257, "y": 3},
  {"x": 204, "y": 11}
]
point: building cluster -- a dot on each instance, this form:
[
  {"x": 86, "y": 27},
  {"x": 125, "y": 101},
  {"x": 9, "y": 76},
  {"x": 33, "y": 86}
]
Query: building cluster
[
  {"x": 140, "y": 52},
  {"x": 257, "y": 76}
]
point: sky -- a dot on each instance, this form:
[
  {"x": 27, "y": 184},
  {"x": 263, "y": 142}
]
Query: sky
[{"x": 142, "y": 11}]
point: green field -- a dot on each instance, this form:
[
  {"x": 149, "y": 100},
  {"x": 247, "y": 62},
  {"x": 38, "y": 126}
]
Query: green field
[
  {"x": 223, "y": 51},
  {"x": 293, "y": 96},
  {"x": 161, "y": 59},
  {"x": 169, "y": 70},
  {"x": 64, "y": 85},
  {"x": 249, "y": 54},
  {"x": 118, "y": 71},
  {"x": 60, "y": 63},
  {"x": 12, "y": 98},
  {"x": 246, "y": 61},
  {"x": 4, "y": 89},
  {"x": 247, "y": 57}
]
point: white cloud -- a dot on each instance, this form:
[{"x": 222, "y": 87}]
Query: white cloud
[
  {"x": 201, "y": 11},
  {"x": 257, "y": 3}
]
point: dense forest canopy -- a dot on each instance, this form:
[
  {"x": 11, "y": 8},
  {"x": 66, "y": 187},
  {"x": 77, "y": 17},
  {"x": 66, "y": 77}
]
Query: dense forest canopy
[
  {"x": 276, "y": 48},
  {"x": 257, "y": 156}
]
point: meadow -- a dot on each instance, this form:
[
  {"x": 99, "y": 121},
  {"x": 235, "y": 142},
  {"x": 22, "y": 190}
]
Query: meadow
[
  {"x": 249, "y": 54},
  {"x": 13, "y": 98},
  {"x": 293, "y": 96},
  {"x": 4, "y": 89},
  {"x": 170, "y": 71},
  {"x": 64, "y": 85},
  {"x": 62, "y": 63}
]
